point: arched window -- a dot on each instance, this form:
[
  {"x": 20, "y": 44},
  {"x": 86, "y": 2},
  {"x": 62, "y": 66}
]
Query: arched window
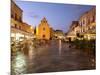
[
  {"x": 93, "y": 19},
  {"x": 44, "y": 28},
  {"x": 43, "y": 36},
  {"x": 12, "y": 16}
]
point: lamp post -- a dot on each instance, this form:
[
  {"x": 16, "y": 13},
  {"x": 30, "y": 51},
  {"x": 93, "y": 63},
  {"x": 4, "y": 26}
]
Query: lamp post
[{"x": 31, "y": 32}]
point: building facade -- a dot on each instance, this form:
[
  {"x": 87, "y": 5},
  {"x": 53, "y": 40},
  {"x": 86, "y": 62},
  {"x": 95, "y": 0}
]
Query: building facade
[
  {"x": 85, "y": 27},
  {"x": 73, "y": 30},
  {"x": 88, "y": 24},
  {"x": 43, "y": 30},
  {"x": 51, "y": 33},
  {"x": 58, "y": 34},
  {"x": 19, "y": 30}
]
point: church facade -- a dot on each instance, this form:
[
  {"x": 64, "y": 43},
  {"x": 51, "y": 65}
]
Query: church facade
[{"x": 43, "y": 30}]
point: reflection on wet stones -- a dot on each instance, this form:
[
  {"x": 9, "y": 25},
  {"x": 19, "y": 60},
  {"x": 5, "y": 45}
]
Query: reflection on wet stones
[
  {"x": 19, "y": 64},
  {"x": 47, "y": 59}
]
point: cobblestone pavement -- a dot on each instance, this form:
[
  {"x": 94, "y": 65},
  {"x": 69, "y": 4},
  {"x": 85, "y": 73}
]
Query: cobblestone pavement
[
  {"x": 57, "y": 56},
  {"x": 48, "y": 59}
]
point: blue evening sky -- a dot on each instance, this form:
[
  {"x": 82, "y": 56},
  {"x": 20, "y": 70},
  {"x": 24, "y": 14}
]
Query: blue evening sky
[{"x": 59, "y": 16}]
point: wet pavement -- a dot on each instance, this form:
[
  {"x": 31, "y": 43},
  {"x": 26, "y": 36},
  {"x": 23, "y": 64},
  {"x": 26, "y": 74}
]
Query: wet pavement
[
  {"x": 57, "y": 56},
  {"x": 51, "y": 59}
]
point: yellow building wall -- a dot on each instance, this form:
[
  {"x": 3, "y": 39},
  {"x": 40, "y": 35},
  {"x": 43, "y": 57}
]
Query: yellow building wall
[{"x": 43, "y": 31}]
